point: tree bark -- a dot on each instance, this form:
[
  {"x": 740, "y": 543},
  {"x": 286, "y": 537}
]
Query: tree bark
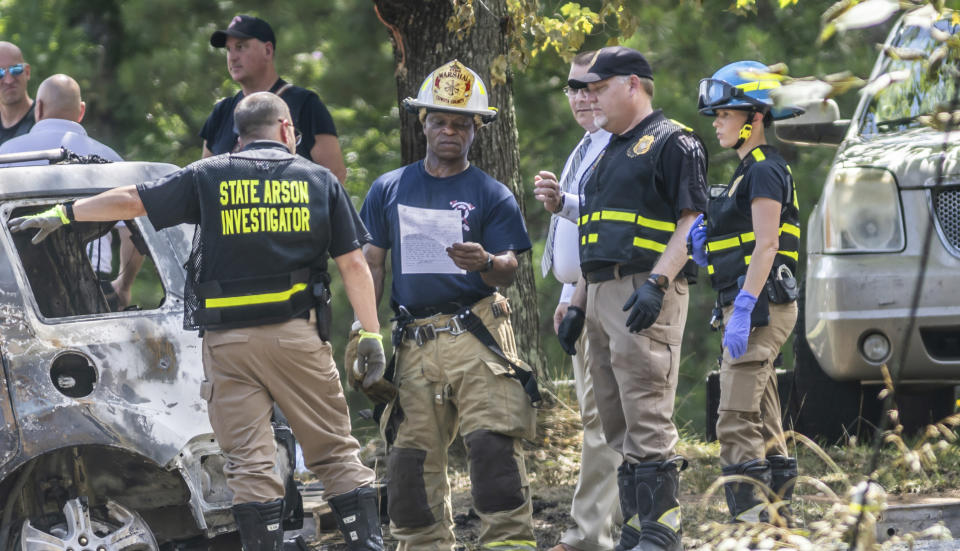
[{"x": 421, "y": 43}]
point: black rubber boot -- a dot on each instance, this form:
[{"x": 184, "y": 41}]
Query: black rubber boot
[
  {"x": 358, "y": 517},
  {"x": 784, "y": 473},
  {"x": 627, "y": 487},
  {"x": 742, "y": 497},
  {"x": 658, "y": 506},
  {"x": 259, "y": 525}
]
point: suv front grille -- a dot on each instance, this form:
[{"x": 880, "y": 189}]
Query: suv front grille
[{"x": 947, "y": 205}]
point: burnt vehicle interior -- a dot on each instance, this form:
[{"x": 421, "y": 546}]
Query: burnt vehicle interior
[{"x": 64, "y": 280}]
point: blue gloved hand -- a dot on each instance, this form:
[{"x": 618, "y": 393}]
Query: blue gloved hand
[
  {"x": 697, "y": 239},
  {"x": 737, "y": 331}
]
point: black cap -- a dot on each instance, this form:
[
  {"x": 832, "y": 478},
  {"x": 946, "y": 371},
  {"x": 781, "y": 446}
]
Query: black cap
[
  {"x": 612, "y": 61},
  {"x": 244, "y": 26}
]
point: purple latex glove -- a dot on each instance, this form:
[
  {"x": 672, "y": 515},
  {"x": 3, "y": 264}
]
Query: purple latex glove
[
  {"x": 697, "y": 239},
  {"x": 737, "y": 331}
]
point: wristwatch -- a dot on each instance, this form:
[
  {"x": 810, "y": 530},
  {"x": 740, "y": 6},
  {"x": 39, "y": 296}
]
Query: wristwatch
[
  {"x": 661, "y": 281},
  {"x": 489, "y": 265}
]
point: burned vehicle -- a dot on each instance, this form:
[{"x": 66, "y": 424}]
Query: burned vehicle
[
  {"x": 894, "y": 181},
  {"x": 105, "y": 443}
]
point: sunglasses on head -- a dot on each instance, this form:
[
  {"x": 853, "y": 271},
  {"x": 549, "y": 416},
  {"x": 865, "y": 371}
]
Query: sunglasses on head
[{"x": 14, "y": 70}]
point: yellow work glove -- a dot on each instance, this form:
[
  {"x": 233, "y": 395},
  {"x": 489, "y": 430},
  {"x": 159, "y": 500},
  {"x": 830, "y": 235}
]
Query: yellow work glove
[
  {"x": 350, "y": 356},
  {"x": 45, "y": 222}
]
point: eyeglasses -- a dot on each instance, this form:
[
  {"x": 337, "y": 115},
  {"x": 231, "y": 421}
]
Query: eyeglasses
[
  {"x": 573, "y": 92},
  {"x": 14, "y": 70},
  {"x": 297, "y": 136}
]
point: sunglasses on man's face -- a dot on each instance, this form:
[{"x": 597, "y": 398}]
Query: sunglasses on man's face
[{"x": 14, "y": 70}]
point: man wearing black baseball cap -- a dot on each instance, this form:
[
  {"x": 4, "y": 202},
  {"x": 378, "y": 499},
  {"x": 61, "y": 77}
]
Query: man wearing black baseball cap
[
  {"x": 635, "y": 210},
  {"x": 251, "y": 50}
]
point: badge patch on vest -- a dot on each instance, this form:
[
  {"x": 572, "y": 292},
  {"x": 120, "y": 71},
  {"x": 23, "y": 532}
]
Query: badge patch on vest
[
  {"x": 464, "y": 209},
  {"x": 641, "y": 147}
]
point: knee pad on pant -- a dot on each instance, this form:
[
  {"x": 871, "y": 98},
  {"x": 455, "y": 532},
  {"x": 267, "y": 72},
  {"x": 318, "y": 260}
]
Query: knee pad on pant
[
  {"x": 494, "y": 474},
  {"x": 407, "y": 506}
]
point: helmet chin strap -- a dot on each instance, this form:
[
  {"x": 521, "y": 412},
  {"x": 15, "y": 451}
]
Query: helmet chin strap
[{"x": 746, "y": 130}]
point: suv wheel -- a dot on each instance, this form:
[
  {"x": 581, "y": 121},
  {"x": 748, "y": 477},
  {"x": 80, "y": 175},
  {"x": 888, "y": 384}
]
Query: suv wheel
[{"x": 114, "y": 528}]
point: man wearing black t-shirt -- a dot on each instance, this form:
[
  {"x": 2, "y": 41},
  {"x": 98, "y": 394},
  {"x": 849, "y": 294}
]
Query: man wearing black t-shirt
[
  {"x": 251, "y": 49},
  {"x": 16, "y": 107}
]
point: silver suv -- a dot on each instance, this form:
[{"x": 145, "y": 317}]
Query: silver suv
[
  {"x": 893, "y": 176},
  {"x": 104, "y": 439}
]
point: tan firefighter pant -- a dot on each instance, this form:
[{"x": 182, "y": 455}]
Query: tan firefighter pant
[
  {"x": 635, "y": 375},
  {"x": 453, "y": 383},
  {"x": 250, "y": 369},
  {"x": 596, "y": 505},
  {"x": 748, "y": 426}
]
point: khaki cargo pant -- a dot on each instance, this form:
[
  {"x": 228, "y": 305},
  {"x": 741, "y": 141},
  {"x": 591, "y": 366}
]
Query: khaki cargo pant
[
  {"x": 596, "y": 505},
  {"x": 748, "y": 426},
  {"x": 456, "y": 383},
  {"x": 635, "y": 375},
  {"x": 250, "y": 369}
]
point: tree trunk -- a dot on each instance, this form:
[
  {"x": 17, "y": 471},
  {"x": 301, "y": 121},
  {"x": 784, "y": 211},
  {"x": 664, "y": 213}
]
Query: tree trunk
[{"x": 421, "y": 43}]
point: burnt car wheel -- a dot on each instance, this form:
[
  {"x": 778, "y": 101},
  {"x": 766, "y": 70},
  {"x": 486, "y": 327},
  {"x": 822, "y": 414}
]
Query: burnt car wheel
[{"x": 115, "y": 528}]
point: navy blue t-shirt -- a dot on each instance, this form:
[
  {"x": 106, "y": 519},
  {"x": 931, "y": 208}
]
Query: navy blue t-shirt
[{"x": 489, "y": 214}]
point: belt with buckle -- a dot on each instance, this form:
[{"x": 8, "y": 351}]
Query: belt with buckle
[
  {"x": 616, "y": 271},
  {"x": 429, "y": 331}
]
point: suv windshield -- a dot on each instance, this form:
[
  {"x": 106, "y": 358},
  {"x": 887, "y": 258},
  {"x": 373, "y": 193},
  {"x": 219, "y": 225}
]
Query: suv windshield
[{"x": 896, "y": 107}]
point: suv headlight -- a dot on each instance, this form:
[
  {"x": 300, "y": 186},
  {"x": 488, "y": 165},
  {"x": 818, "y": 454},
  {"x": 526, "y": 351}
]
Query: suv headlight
[{"x": 862, "y": 212}]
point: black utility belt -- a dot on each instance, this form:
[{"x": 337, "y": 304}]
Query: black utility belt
[
  {"x": 617, "y": 271},
  {"x": 780, "y": 288}
]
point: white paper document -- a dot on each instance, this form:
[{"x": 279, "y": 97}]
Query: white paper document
[{"x": 425, "y": 235}]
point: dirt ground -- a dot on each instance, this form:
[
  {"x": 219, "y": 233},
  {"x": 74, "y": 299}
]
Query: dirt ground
[{"x": 552, "y": 462}]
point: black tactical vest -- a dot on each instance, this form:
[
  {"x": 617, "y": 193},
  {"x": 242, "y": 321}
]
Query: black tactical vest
[
  {"x": 730, "y": 238},
  {"x": 624, "y": 218},
  {"x": 262, "y": 246}
]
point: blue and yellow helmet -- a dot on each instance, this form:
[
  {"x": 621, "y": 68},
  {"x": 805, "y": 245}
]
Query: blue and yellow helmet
[{"x": 742, "y": 85}]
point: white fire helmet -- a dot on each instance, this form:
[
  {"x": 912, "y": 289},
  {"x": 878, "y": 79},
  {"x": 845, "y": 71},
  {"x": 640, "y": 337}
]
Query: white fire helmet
[{"x": 455, "y": 88}]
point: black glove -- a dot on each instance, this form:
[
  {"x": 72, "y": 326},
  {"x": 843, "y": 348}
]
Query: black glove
[
  {"x": 570, "y": 328},
  {"x": 646, "y": 303},
  {"x": 45, "y": 222}
]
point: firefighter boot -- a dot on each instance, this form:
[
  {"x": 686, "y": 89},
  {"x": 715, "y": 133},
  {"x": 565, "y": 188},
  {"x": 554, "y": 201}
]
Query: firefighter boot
[
  {"x": 784, "y": 473},
  {"x": 259, "y": 525},
  {"x": 358, "y": 516},
  {"x": 627, "y": 486},
  {"x": 658, "y": 506},
  {"x": 742, "y": 498}
]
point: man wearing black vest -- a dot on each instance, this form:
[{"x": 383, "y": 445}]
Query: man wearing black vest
[
  {"x": 251, "y": 53},
  {"x": 646, "y": 190},
  {"x": 268, "y": 222}
]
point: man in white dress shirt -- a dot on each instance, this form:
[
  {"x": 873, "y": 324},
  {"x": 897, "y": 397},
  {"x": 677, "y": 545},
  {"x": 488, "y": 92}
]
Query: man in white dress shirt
[
  {"x": 595, "y": 498},
  {"x": 59, "y": 110}
]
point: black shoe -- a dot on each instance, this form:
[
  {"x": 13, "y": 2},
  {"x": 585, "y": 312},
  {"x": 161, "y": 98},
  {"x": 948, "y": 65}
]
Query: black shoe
[
  {"x": 742, "y": 497},
  {"x": 627, "y": 487},
  {"x": 259, "y": 525},
  {"x": 784, "y": 473},
  {"x": 357, "y": 516},
  {"x": 658, "y": 506}
]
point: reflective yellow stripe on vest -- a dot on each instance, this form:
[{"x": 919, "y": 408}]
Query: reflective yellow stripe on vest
[
  {"x": 722, "y": 244},
  {"x": 710, "y": 269},
  {"x": 618, "y": 216},
  {"x": 649, "y": 244},
  {"x": 656, "y": 224},
  {"x": 250, "y": 300},
  {"x": 791, "y": 229},
  {"x": 792, "y": 254},
  {"x": 758, "y": 155}
]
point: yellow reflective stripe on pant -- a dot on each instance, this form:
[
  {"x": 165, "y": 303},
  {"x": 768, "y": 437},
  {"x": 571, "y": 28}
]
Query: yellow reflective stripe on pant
[
  {"x": 671, "y": 519},
  {"x": 511, "y": 544},
  {"x": 250, "y": 300}
]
